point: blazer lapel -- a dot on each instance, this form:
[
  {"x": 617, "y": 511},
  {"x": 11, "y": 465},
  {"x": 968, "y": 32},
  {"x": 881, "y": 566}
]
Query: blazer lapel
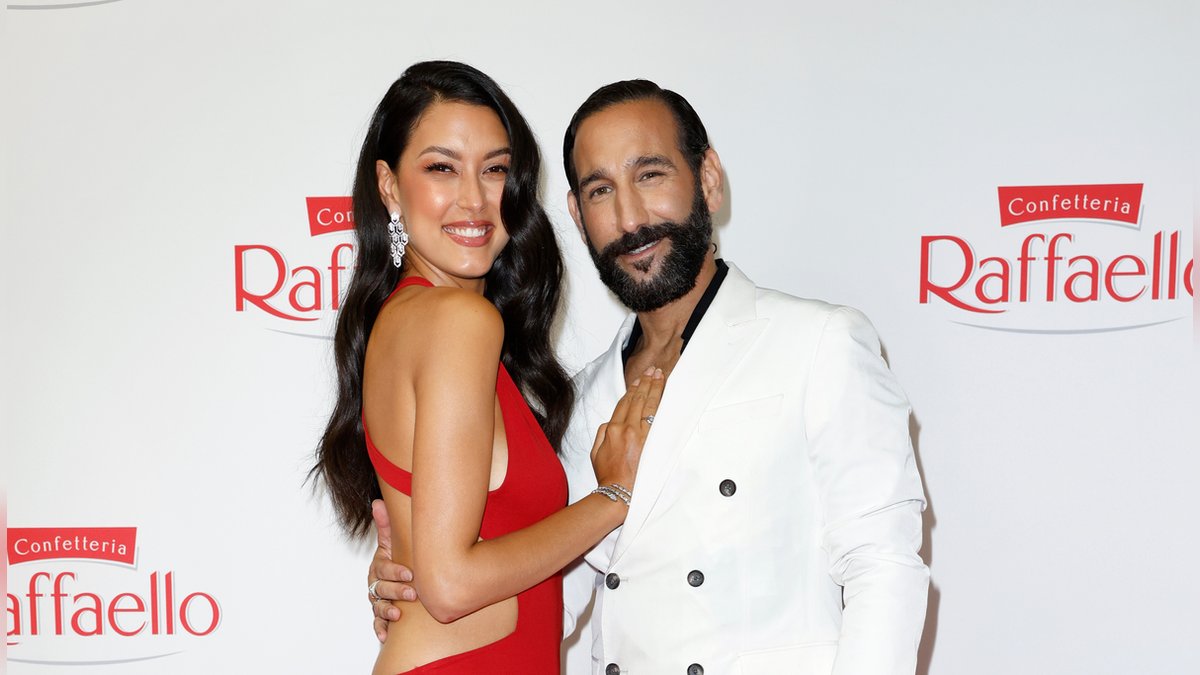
[
  {"x": 608, "y": 384},
  {"x": 721, "y": 340}
]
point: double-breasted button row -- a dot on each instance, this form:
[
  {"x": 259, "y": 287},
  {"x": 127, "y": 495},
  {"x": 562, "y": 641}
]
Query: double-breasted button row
[{"x": 695, "y": 578}]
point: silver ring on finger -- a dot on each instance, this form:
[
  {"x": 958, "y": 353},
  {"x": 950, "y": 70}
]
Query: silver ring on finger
[
  {"x": 648, "y": 419},
  {"x": 371, "y": 591}
]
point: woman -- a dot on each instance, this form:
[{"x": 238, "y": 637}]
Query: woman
[{"x": 445, "y": 325}]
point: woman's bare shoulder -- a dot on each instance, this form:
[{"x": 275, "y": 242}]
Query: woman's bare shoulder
[{"x": 439, "y": 319}]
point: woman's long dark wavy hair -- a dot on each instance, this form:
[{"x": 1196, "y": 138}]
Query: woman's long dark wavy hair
[{"x": 523, "y": 283}]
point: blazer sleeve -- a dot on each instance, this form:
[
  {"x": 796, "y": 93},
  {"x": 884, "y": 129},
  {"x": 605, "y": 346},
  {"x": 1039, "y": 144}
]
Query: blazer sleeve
[
  {"x": 871, "y": 498},
  {"x": 579, "y": 579}
]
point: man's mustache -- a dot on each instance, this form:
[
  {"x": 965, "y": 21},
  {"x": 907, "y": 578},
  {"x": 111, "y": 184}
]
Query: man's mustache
[{"x": 638, "y": 238}]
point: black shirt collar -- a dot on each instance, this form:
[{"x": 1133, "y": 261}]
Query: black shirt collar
[{"x": 693, "y": 321}]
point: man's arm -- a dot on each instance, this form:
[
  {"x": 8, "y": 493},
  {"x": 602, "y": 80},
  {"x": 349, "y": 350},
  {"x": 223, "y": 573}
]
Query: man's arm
[
  {"x": 579, "y": 582},
  {"x": 579, "y": 578},
  {"x": 387, "y": 577},
  {"x": 871, "y": 496}
]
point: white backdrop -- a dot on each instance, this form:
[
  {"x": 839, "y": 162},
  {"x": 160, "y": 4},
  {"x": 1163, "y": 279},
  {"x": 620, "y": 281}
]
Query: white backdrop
[{"x": 145, "y": 141}]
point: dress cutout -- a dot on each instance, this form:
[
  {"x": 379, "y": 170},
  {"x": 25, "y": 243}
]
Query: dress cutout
[{"x": 534, "y": 487}]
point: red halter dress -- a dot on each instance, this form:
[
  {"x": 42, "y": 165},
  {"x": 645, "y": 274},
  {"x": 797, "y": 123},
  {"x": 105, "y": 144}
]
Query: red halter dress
[{"x": 534, "y": 487}]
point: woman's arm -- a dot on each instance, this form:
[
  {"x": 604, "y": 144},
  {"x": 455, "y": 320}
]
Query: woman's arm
[{"x": 454, "y": 382}]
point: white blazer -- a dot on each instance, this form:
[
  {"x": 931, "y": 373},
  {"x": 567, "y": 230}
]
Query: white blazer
[{"x": 777, "y": 483}]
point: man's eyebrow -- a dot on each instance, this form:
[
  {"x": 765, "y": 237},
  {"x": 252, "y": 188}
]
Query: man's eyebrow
[
  {"x": 650, "y": 160},
  {"x": 597, "y": 175},
  {"x": 453, "y": 154}
]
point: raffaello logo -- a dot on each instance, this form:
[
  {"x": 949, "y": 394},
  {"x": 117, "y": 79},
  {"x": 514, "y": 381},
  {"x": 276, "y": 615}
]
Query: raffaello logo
[
  {"x": 1065, "y": 259},
  {"x": 76, "y": 596},
  {"x": 267, "y": 283}
]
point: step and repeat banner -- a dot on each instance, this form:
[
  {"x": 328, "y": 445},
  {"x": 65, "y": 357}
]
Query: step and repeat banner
[{"x": 1008, "y": 190}]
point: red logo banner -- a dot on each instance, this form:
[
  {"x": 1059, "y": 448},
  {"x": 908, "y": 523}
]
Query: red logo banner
[
  {"x": 1120, "y": 203},
  {"x": 108, "y": 544},
  {"x": 329, "y": 214}
]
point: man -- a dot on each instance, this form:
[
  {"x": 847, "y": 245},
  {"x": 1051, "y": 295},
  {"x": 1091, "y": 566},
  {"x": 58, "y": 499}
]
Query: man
[{"x": 776, "y": 516}]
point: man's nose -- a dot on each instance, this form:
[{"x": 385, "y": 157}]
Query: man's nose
[{"x": 631, "y": 211}]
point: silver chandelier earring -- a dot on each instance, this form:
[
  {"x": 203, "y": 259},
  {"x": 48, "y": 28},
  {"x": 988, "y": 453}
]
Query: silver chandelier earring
[{"x": 399, "y": 238}]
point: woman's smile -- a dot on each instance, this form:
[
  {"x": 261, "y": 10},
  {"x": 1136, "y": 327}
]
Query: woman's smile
[{"x": 473, "y": 233}]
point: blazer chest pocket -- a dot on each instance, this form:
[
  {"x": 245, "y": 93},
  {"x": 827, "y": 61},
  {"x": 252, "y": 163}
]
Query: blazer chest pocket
[
  {"x": 739, "y": 414},
  {"x": 811, "y": 659}
]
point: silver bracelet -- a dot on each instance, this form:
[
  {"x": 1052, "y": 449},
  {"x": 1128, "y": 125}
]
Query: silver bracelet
[
  {"x": 613, "y": 493},
  {"x": 621, "y": 489}
]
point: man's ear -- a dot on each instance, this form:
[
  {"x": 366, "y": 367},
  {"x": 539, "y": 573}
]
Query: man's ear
[
  {"x": 573, "y": 207},
  {"x": 712, "y": 180},
  {"x": 389, "y": 190}
]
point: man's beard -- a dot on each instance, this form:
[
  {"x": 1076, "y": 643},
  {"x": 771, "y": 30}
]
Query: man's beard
[{"x": 678, "y": 270}]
